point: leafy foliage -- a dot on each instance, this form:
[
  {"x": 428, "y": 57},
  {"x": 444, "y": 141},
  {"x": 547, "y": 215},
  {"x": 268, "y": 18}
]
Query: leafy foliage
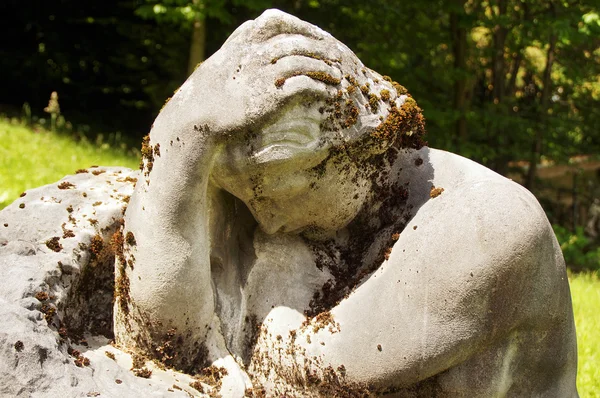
[
  {"x": 578, "y": 249},
  {"x": 499, "y": 80},
  {"x": 184, "y": 12}
]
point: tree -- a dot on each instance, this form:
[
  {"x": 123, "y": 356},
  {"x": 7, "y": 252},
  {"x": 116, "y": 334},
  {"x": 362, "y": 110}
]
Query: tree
[{"x": 191, "y": 16}]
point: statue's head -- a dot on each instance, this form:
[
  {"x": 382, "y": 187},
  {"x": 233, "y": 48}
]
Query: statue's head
[{"x": 307, "y": 161}]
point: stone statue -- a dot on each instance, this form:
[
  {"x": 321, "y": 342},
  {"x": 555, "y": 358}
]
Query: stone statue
[
  {"x": 292, "y": 227},
  {"x": 291, "y": 235}
]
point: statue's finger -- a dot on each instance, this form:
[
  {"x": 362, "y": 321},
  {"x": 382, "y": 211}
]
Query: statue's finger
[
  {"x": 293, "y": 47},
  {"x": 305, "y": 86},
  {"x": 298, "y": 65}
]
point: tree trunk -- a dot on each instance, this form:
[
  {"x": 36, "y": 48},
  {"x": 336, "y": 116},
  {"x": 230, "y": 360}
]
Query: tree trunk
[
  {"x": 497, "y": 139},
  {"x": 197, "y": 45},
  {"x": 509, "y": 91},
  {"x": 459, "y": 48},
  {"x": 498, "y": 67},
  {"x": 536, "y": 150}
]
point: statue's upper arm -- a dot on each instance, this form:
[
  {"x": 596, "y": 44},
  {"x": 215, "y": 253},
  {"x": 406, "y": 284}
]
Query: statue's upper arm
[{"x": 458, "y": 281}]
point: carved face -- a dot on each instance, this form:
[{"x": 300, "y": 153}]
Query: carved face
[
  {"x": 293, "y": 172},
  {"x": 287, "y": 176}
]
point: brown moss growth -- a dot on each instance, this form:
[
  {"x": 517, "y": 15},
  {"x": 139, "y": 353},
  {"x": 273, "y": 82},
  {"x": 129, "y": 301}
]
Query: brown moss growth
[
  {"x": 110, "y": 355},
  {"x": 435, "y": 192},
  {"x": 117, "y": 242},
  {"x": 122, "y": 290},
  {"x": 82, "y": 361},
  {"x": 400, "y": 89},
  {"x": 96, "y": 247},
  {"x": 374, "y": 102},
  {"x": 42, "y": 296},
  {"x": 320, "y": 76},
  {"x": 138, "y": 366},
  {"x": 385, "y": 95},
  {"x": 138, "y": 361},
  {"x": 128, "y": 179},
  {"x": 98, "y": 172},
  {"x": 351, "y": 79},
  {"x": 405, "y": 127},
  {"x": 324, "y": 77},
  {"x": 54, "y": 244},
  {"x": 65, "y": 185},
  {"x": 143, "y": 372},
  {"x": 212, "y": 376},
  {"x": 122, "y": 280},
  {"x": 323, "y": 320},
  {"x": 388, "y": 253},
  {"x": 280, "y": 82},
  {"x": 22, "y": 194},
  {"x": 22, "y": 206},
  {"x": 255, "y": 392},
  {"x": 81, "y": 171},
  {"x": 351, "y": 114},
  {"x": 166, "y": 352},
  {"x": 308, "y": 54},
  {"x": 147, "y": 155},
  {"x": 130, "y": 239},
  {"x": 67, "y": 233},
  {"x": 49, "y": 311}
]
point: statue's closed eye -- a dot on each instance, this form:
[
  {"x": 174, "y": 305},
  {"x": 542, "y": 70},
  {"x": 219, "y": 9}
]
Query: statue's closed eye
[{"x": 299, "y": 131}]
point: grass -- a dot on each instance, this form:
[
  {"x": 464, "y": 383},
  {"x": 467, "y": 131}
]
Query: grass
[
  {"x": 585, "y": 290},
  {"x": 30, "y": 158}
]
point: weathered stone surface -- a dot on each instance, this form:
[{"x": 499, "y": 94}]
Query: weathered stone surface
[
  {"x": 290, "y": 229},
  {"x": 57, "y": 273}
]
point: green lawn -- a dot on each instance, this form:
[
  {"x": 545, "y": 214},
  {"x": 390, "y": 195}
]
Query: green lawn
[
  {"x": 29, "y": 159},
  {"x": 585, "y": 290}
]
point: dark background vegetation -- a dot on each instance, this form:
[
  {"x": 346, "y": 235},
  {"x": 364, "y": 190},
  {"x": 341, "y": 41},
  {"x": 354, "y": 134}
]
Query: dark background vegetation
[{"x": 512, "y": 84}]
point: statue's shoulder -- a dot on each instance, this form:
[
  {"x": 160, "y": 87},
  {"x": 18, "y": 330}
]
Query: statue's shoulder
[
  {"x": 494, "y": 219},
  {"x": 483, "y": 237},
  {"x": 456, "y": 183}
]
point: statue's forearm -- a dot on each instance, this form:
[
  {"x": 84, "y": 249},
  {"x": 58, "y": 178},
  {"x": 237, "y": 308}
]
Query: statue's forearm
[{"x": 169, "y": 277}]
